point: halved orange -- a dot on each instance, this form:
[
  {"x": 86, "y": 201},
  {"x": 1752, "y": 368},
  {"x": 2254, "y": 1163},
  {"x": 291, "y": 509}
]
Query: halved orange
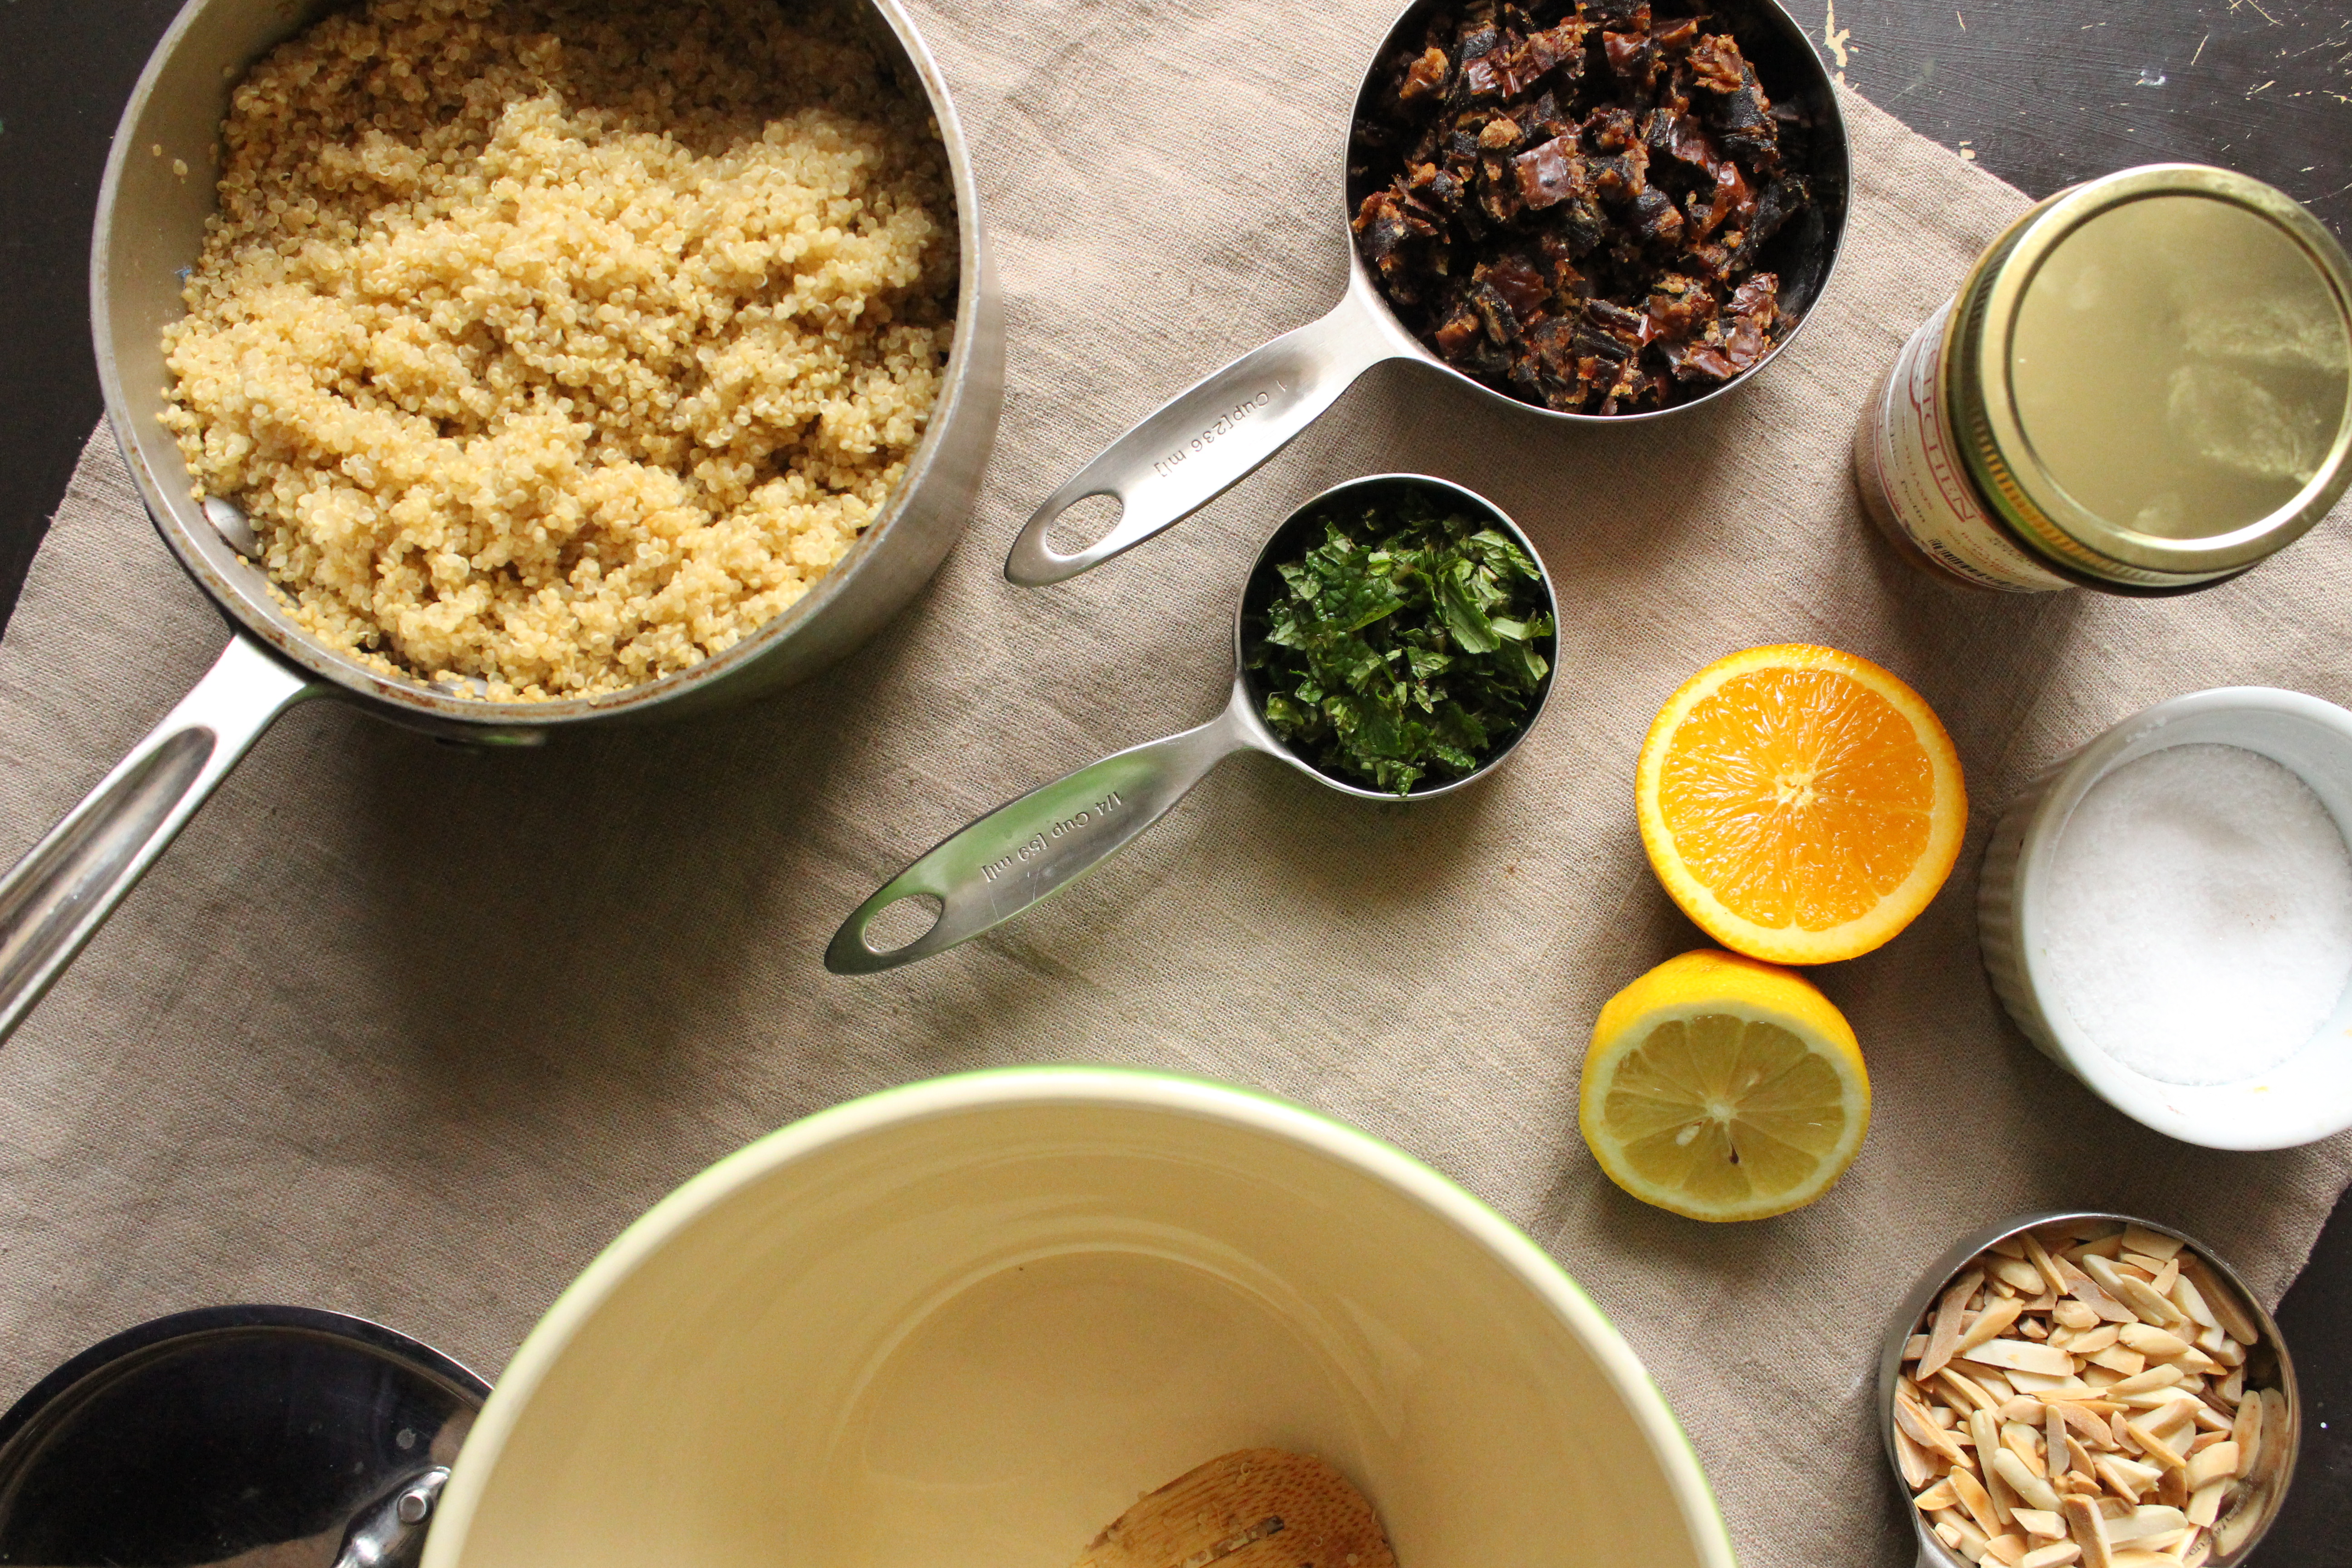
[{"x": 1802, "y": 804}]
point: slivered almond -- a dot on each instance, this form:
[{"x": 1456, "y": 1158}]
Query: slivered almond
[
  {"x": 2088, "y": 1291},
  {"x": 2058, "y": 1554},
  {"x": 2083, "y": 1423},
  {"x": 2047, "y": 1523},
  {"x": 2207, "y": 1466},
  {"x": 1989, "y": 1325},
  {"x": 2220, "y": 1299},
  {"x": 2156, "y": 1344},
  {"x": 2132, "y": 1292},
  {"x": 2121, "y": 1360},
  {"x": 2040, "y": 1256},
  {"x": 1965, "y": 1538},
  {"x": 2247, "y": 1433},
  {"x": 2016, "y": 1273},
  {"x": 2166, "y": 1278},
  {"x": 2007, "y": 1549},
  {"x": 1967, "y": 1391},
  {"x": 2176, "y": 1420},
  {"x": 2261, "y": 1467},
  {"x": 2089, "y": 1528},
  {"x": 2075, "y": 1315},
  {"x": 2025, "y": 1443},
  {"x": 2128, "y": 1478},
  {"x": 2034, "y": 1384},
  {"x": 2172, "y": 1487},
  {"x": 2024, "y": 1408},
  {"x": 1976, "y": 1500},
  {"x": 1944, "y": 1327},
  {"x": 2149, "y": 1243},
  {"x": 2191, "y": 1302},
  {"x": 2158, "y": 1398},
  {"x": 1918, "y": 1467},
  {"x": 2154, "y": 1377},
  {"x": 2090, "y": 1342},
  {"x": 2154, "y": 1446},
  {"x": 2205, "y": 1503},
  {"x": 2148, "y": 1519},
  {"x": 1940, "y": 1495},
  {"x": 2023, "y": 1356},
  {"x": 2036, "y": 1491},
  {"x": 1985, "y": 1430},
  {"x": 1914, "y": 1424}
]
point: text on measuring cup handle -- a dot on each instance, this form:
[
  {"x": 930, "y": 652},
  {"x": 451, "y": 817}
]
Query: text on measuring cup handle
[
  {"x": 1224, "y": 423},
  {"x": 1039, "y": 843}
]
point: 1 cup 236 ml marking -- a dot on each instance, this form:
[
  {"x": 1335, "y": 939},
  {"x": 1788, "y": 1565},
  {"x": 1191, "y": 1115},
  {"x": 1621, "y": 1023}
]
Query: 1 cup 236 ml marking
[
  {"x": 1038, "y": 844},
  {"x": 1231, "y": 417}
]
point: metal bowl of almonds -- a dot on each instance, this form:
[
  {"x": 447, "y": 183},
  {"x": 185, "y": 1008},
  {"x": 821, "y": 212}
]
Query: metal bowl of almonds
[{"x": 2087, "y": 1388}]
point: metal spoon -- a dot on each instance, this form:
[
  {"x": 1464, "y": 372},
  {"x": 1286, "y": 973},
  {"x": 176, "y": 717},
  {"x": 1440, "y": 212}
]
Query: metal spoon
[
  {"x": 1033, "y": 848},
  {"x": 2268, "y": 1365}
]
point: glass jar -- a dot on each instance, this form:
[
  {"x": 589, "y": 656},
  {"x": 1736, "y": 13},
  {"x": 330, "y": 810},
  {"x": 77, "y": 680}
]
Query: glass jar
[{"x": 2145, "y": 387}]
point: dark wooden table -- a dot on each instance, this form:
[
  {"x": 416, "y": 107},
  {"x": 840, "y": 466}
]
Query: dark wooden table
[{"x": 2042, "y": 92}]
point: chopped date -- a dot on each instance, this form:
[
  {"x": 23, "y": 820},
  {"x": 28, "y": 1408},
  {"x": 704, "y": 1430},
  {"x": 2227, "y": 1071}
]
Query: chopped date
[{"x": 1566, "y": 199}]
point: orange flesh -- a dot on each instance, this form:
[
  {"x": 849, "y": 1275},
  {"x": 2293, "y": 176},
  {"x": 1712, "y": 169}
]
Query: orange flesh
[{"x": 1798, "y": 798}]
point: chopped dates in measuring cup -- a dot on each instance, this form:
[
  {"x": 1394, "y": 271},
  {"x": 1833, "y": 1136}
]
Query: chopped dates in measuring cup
[{"x": 1565, "y": 201}]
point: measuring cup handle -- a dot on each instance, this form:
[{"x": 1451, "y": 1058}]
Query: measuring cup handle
[
  {"x": 1028, "y": 849},
  {"x": 1203, "y": 441},
  {"x": 56, "y": 897}
]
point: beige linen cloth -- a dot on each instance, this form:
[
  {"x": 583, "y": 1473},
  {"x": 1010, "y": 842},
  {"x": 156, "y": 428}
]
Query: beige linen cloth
[{"x": 411, "y": 1032}]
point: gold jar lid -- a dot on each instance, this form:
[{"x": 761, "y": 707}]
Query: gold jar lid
[{"x": 2151, "y": 373}]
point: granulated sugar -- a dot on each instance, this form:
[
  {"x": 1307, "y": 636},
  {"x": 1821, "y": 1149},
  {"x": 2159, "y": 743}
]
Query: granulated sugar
[{"x": 2199, "y": 914}]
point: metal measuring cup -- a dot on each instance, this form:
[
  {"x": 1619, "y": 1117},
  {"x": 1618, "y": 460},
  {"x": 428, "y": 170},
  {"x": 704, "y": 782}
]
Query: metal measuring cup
[
  {"x": 1215, "y": 434},
  {"x": 2236, "y": 1534},
  {"x": 1031, "y": 847}
]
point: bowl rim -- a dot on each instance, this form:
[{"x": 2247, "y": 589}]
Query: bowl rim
[
  {"x": 1232, "y": 1105},
  {"x": 2186, "y": 1113}
]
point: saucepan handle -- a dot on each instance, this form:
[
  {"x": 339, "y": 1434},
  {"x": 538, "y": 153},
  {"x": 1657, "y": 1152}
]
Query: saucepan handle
[
  {"x": 58, "y": 896},
  {"x": 1031, "y": 848},
  {"x": 1203, "y": 441}
]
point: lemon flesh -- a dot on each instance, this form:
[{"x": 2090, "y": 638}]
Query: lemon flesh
[{"x": 1724, "y": 1089}]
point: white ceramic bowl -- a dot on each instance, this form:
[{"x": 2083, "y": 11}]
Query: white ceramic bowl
[
  {"x": 968, "y": 1322},
  {"x": 2307, "y": 1097}
]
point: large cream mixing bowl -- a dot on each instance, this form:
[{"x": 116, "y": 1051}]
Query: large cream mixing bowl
[{"x": 967, "y": 1322}]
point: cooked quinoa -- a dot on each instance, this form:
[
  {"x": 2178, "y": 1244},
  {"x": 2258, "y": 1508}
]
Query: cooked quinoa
[{"x": 560, "y": 344}]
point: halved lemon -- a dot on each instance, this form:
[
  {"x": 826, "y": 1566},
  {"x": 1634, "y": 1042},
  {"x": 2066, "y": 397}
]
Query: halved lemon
[
  {"x": 1723, "y": 1088},
  {"x": 1802, "y": 804}
]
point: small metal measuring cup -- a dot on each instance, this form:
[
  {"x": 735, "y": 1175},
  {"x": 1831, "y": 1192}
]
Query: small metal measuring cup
[
  {"x": 1031, "y": 847},
  {"x": 2268, "y": 1365},
  {"x": 1212, "y": 435}
]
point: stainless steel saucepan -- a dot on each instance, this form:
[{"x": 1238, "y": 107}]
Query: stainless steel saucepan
[
  {"x": 1213, "y": 436},
  {"x": 149, "y": 227},
  {"x": 1031, "y": 848}
]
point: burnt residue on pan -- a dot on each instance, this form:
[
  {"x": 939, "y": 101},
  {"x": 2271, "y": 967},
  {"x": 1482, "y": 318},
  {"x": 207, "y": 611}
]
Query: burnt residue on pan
[{"x": 1577, "y": 202}]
